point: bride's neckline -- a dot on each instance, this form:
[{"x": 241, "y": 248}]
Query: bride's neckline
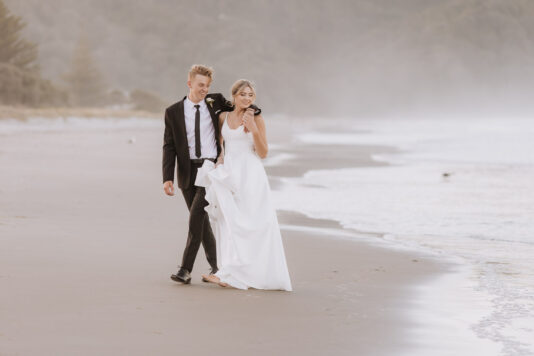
[
  {"x": 227, "y": 124},
  {"x": 237, "y": 128}
]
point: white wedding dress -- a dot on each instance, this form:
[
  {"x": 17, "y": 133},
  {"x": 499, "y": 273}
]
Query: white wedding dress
[{"x": 250, "y": 253}]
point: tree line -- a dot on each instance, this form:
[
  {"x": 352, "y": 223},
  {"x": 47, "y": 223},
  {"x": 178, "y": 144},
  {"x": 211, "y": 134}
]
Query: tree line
[{"x": 22, "y": 84}]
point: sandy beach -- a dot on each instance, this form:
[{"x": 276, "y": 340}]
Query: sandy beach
[
  {"x": 400, "y": 166},
  {"x": 88, "y": 242}
]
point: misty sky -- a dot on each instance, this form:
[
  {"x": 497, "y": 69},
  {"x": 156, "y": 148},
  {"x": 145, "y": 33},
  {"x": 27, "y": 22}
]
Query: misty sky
[{"x": 348, "y": 58}]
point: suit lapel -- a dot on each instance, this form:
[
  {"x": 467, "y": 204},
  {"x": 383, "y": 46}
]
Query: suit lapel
[
  {"x": 213, "y": 118},
  {"x": 215, "y": 121},
  {"x": 181, "y": 120}
]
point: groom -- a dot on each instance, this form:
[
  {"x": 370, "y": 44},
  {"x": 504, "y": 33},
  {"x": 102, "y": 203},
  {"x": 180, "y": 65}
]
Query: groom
[{"x": 191, "y": 137}]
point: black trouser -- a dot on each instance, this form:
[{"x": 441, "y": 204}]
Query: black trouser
[{"x": 199, "y": 225}]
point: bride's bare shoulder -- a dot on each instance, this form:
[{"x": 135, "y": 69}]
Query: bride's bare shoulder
[{"x": 222, "y": 117}]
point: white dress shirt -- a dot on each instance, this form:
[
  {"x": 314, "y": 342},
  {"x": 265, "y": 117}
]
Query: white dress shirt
[{"x": 208, "y": 146}]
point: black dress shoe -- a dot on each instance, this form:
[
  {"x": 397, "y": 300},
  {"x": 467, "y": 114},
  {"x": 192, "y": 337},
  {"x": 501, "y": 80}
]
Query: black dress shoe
[
  {"x": 213, "y": 271},
  {"x": 182, "y": 276}
]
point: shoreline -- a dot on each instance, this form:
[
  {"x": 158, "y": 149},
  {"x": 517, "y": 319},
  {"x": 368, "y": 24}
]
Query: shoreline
[
  {"x": 448, "y": 337},
  {"x": 98, "y": 240},
  {"x": 24, "y": 114},
  {"x": 488, "y": 296}
]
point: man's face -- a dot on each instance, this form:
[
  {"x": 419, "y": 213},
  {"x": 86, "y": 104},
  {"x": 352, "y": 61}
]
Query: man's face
[{"x": 199, "y": 86}]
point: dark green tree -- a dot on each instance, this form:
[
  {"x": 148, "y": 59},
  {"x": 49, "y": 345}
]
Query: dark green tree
[{"x": 14, "y": 49}]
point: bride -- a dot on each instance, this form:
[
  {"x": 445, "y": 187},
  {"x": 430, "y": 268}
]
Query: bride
[{"x": 249, "y": 245}]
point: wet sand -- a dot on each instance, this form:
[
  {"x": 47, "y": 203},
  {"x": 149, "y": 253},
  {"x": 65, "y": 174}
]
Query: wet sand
[{"x": 88, "y": 241}]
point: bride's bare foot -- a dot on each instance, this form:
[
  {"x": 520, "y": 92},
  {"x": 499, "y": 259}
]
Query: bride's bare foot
[
  {"x": 214, "y": 279},
  {"x": 211, "y": 278}
]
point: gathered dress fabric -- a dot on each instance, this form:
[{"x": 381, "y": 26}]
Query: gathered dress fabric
[{"x": 250, "y": 252}]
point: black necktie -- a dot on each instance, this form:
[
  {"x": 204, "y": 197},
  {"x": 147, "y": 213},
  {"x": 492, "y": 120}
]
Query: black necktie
[{"x": 197, "y": 132}]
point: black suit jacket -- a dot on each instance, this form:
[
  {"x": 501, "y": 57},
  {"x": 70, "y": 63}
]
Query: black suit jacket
[{"x": 175, "y": 145}]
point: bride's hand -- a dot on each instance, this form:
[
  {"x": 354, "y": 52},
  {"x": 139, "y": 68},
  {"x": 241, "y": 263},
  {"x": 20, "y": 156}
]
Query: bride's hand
[{"x": 248, "y": 120}]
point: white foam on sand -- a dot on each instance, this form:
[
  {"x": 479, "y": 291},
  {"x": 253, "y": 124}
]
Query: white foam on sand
[
  {"x": 444, "y": 312},
  {"x": 277, "y": 159},
  {"x": 459, "y": 188}
]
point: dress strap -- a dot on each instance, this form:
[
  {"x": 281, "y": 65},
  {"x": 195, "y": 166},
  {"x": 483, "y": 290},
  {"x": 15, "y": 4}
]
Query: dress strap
[{"x": 225, "y": 120}]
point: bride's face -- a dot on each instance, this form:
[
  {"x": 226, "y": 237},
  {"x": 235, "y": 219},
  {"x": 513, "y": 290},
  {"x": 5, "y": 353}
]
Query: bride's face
[{"x": 244, "y": 98}]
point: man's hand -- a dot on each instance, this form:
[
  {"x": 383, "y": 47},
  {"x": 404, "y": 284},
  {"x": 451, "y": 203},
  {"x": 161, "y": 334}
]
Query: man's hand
[{"x": 168, "y": 187}]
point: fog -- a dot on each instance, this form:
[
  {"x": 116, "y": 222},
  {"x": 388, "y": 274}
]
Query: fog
[{"x": 337, "y": 58}]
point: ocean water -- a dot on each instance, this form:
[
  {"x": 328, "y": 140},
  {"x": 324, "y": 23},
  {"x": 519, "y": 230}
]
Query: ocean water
[{"x": 461, "y": 189}]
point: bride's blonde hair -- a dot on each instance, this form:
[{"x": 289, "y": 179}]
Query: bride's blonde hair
[{"x": 239, "y": 85}]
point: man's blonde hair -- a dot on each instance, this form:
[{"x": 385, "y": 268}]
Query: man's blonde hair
[{"x": 202, "y": 70}]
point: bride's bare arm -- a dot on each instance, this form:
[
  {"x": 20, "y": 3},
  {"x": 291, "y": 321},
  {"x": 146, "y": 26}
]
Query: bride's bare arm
[
  {"x": 260, "y": 138},
  {"x": 220, "y": 159}
]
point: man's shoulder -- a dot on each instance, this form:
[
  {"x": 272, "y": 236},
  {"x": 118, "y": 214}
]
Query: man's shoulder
[
  {"x": 217, "y": 97},
  {"x": 219, "y": 103},
  {"x": 175, "y": 106}
]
